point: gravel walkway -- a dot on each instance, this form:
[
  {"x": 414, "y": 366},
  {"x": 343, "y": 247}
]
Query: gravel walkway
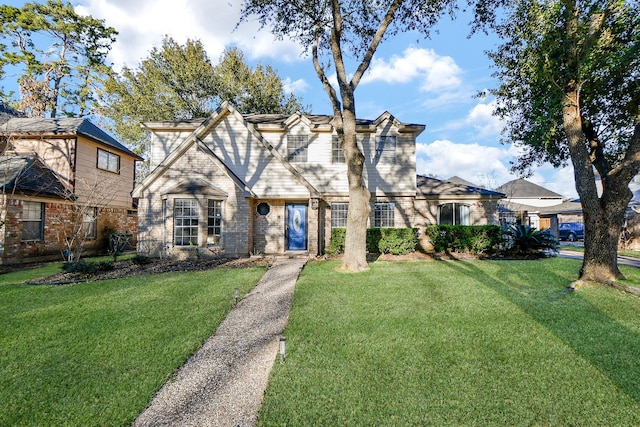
[{"x": 222, "y": 384}]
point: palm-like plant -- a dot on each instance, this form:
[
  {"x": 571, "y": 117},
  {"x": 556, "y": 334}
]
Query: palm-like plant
[{"x": 525, "y": 240}]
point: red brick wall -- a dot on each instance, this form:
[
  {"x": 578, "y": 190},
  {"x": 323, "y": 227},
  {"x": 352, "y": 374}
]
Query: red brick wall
[{"x": 57, "y": 224}]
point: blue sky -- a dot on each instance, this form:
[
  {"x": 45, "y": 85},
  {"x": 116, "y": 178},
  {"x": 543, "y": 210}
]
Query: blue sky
[{"x": 432, "y": 82}]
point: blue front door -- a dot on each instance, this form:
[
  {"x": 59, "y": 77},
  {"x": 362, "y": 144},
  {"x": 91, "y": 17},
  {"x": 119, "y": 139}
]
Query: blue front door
[{"x": 296, "y": 227}]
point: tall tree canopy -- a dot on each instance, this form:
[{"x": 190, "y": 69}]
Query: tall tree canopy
[
  {"x": 179, "y": 82},
  {"x": 569, "y": 73},
  {"x": 59, "y": 55},
  {"x": 336, "y": 32}
]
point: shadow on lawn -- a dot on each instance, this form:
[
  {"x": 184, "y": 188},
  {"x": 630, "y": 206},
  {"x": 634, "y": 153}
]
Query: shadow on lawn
[{"x": 607, "y": 344}]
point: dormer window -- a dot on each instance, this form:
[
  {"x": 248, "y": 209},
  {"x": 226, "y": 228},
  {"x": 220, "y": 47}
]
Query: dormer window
[
  {"x": 297, "y": 148},
  {"x": 108, "y": 161}
]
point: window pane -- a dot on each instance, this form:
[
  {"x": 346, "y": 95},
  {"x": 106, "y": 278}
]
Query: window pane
[
  {"x": 383, "y": 216},
  {"x": 108, "y": 161},
  {"x": 463, "y": 215},
  {"x": 32, "y": 221},
  {"x": 297, "y": 148},
  {"x": 185, "y": 222},
  {"x": 446, "y": 214},
  {"x": 339, "y": 213},
  {"x": 89, "y": 223},
  {"x": 214, "y": 221},
  {"x": 336, "y": 150}
]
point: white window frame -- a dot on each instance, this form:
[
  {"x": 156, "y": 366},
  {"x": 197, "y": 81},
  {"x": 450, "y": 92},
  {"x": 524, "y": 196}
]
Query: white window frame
[
  {"x": 297, "y": 148},
  {"x": 32, "y": 217},
  {"x": 339, "y": 213},
  {"x": 457, "y": 217},
  {"x": 185, "y": 222},
  {"x": 108, "y": 161},
  {"x": 384, "y": 215},
  {"x": 337, "y": 155},
  {"x": 214, "y": 221}
]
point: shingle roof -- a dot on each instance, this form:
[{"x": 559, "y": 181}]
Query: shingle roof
[
  {"x": 72, "y": 125},
  {"x": 28, "y": 175},
  {"x": 7, "y": 113},
  {"x": 434, "y": 187},
  {"x": 523, "y": 189}
]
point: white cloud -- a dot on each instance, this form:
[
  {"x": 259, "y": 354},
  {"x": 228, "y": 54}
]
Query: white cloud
[
  {"x": 482, "y": 165},
  {"x": 437, "y": 73},
  {"x": 141, "y": 24},
  {"x": 298, "y": 86}
]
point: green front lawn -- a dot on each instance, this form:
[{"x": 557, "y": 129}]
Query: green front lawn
[
  {"x": 457, "y": 343},
  {"x": 95, "y": 353}
]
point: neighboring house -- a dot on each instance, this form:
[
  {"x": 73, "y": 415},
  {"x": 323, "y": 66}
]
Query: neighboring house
[
  {"x": 530, "y": 204},
  {"x": 50, "y": 169},
  {"x": 274, "y": 184}
]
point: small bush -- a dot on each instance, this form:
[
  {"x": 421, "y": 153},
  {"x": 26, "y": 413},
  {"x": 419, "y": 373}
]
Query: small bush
[
  {"x": 395, "y": 241},
  {"x": 477, "y": 239},
  {"x": 82, "y": 266},
  {"x": 523, "y": 240},
  {"x": 141, "y": 259}
]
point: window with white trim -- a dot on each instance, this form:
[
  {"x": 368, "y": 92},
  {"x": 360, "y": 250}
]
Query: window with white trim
[
  {"x": 90, "y": 223},
  {"x": 214, "y": 221},
  {"x": 297, "y": 148},
  {"x": 185, "y": 222},
  {"x": 32, "y": 221},
  {"x": 339, "y": 212},
  {"x": 108, "y": 161},
  {"x": 384, "y": 215},
  {"x": 337, "y": 155},
  {"x": 454, "y": 214}
]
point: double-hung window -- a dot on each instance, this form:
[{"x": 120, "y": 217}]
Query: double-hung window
[
  {"x": 384, "y": 215},
  {"x": 33, "y": 221},
  {"x": 297, "y": 148},
  {"x": 185, "y": 222},
  {"x": 339, "y": 212},
  {"x": 108, "y": 161},
  {"x": 337, "y": 155},
  {"x": 214, "y": 221},
  {"x": 90, "y": 223},
  {"x": 454, "y": 214}
]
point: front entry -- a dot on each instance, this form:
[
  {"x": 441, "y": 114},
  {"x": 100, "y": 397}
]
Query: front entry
[{"x": 296, "y": 230}]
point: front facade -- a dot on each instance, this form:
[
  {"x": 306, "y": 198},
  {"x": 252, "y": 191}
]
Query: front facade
[
  {"x": 268, "y": 184},
  {"x": 61, "y": 177}
]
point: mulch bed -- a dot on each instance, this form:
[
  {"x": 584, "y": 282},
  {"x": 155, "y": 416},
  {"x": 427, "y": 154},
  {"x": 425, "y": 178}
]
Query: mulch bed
[{"x": 126, "y": 268}]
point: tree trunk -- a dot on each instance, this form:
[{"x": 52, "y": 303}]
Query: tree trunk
[
  {"x": 603, "y": 216},
  {"x": 355, "y": 250}
]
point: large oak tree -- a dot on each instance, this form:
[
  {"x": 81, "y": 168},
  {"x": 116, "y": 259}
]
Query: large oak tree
[
  {"x": 336, "y": 33},
  {"x": 569, "y": 73}
]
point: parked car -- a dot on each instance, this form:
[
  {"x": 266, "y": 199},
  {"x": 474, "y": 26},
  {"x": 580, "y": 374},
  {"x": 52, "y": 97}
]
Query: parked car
[{"x": 571, "y": 231}]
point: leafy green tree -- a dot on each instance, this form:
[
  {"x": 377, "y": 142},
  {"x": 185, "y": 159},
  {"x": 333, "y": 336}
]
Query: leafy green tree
[
  {"x": 339, "y": 33},
  {"x": 569, "y": 73},
  {"x": 60, "y": 54},
  {"x": 179, "y": 82}
]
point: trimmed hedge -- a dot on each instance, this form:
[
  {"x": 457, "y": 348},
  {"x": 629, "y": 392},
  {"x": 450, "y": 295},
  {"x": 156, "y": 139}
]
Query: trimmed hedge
[
  {"x": 395, "y": 241},
  {"x": 464, "y": 238}
]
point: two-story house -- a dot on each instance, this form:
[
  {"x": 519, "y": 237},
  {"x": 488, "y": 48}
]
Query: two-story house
[
  {"x": 55, "y": 172},
  {"x": 270, "y": 184}
]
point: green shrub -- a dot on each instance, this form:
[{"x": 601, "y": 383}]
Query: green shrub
[
  {"x": 141, "y": 259},
  {"x": 396, "y": 241},
  {"x": 82, "y": 266},
  {"x": 525, "y": 240},
  {"x": 476, "y": 239}
]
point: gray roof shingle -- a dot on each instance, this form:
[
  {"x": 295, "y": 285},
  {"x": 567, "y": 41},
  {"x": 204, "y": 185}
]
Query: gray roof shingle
[
  {"x": 523, "y": 189},
  {"x": 56, "y": 126},
  {"x": 433, "y": 187},
  {"x": 28, "y": 175}
]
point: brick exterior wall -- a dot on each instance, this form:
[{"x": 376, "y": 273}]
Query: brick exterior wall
[{"x": 58, "y": 220}]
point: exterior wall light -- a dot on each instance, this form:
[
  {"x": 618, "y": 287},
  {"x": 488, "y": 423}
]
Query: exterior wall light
[{"x": 314, "y": 204}]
